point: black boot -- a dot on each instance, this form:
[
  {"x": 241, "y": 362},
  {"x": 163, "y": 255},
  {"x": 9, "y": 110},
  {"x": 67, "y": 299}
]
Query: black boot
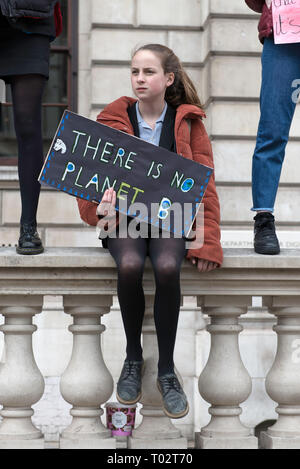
[
  {"x": 265, "y": 239},
  {"x": 29, "y": 241}
]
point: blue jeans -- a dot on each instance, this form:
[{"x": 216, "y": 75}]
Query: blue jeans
[{"x": 280, "y": 67}]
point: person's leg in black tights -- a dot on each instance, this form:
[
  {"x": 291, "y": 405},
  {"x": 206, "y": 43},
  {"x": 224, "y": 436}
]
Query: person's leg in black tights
[
  {"x": 27, "y": 91},
  {"x": 166, "y": 255},
  {"x": 129, "y": 255}
]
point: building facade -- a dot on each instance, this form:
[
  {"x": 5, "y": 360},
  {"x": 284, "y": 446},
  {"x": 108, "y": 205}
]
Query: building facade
[{"x": 217, "y": 41}]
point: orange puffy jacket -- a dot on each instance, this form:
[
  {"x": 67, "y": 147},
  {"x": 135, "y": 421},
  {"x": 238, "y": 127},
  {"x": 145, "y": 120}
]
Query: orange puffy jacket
[{"x": 191, "y": 143}]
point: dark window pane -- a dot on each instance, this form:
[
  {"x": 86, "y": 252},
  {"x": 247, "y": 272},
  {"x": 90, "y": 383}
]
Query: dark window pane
[
  {"x": 51, "y": 119},
  {"x": 56, "y": 87},
  {"x": 8, "y": 142},
  {"x": 55, "y": 98},
  {"x": 62, "y": 40}
]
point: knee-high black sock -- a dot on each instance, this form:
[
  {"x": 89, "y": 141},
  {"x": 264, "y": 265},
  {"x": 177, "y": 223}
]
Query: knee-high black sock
[{"x": 27, "y": 91}]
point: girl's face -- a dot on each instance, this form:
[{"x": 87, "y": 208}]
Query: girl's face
[{"x": 148, "y": 79}]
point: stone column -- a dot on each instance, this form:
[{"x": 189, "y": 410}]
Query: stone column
[
  {"x": 156, "y": 429},
  {"x": 86, "y": 382},
  {"x": 21, "y": 382},
  {"x": 282, "y": 381},
  {"x": 225, "y": 382}
]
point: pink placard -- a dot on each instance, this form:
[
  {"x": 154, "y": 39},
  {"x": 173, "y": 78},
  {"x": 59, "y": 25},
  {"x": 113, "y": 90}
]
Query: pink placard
[{"x": 286, "y": 21}]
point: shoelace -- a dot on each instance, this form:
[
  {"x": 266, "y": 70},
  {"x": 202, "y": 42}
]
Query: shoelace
[
  {"x": 169, "y": 383},
  {"x": 130, "y": 368},
  {"x": 265, "y": 224},
  {"x": 28, "y": 231}
]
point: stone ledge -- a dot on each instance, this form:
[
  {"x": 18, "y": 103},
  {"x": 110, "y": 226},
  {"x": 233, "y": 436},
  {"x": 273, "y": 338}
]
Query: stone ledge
[
  {"x": 100, "y": 257},
  {"x": 92, "y": 272}
]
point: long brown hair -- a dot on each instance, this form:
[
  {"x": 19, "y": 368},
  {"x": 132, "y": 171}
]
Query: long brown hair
[{"x": 183, "y": 90}]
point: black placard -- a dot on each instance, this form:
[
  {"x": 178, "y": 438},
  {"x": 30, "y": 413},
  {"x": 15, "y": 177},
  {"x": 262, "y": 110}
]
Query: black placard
[{"x": 86, "y": 158}]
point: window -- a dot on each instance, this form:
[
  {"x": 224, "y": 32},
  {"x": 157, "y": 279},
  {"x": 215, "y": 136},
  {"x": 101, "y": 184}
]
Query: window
[{"x": 60, "y": 92}]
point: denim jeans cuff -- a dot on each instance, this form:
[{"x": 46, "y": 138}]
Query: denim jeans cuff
[{"x": 262, "y": 209}]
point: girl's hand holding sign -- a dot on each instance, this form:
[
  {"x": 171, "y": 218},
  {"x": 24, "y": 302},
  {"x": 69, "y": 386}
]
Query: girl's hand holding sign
[
  {"x": 106, "y": 208},
  {"x": 204, "y": 265}
]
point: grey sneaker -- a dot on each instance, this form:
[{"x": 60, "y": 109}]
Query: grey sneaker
[
  {"x": 130, "y": 382},
  {"x": 175, "y": 403}
]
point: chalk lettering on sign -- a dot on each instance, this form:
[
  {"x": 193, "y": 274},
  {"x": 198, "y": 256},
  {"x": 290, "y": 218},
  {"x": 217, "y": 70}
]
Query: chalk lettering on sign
[
  {"x": 76, "y": 183},
  {"x": 120, "y": 154},
  {"x": 164, "y": 207},
  {"x": 94, "y": 180},
  {"x": 136, "y": 193},
  {"x": 70, "y": 168},
  {"x": 107, "y": 184},
  {"x": 86, "y": 158},
  {"x": 90, "y": 147},
  {"x": 122, "y": 190},
  {"x": 129, "y": 160},
  {"x": 176, "y": 179},
  {"x": 157, "y": 168},
  {"x": 76, "y": 139},
  {"x": 106, "y": 152}
]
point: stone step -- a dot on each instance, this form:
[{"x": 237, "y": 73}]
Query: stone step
[
  {"x": 54, "y": 208},
  {"x": 233, "y": 7},
  {"x": 119, "y": 12},
  {"x": 110, "y": 82},
  {"x": 103, "y": 43},
  {"x": 234, "y": 238},
  {"x": 235, "y": 35},
  {"x": 236, "y": 202},
  {"x": 229, "y": 77},
  {"x": 233, "y": 161},
  {"x": 239, "y": 118},
  {"x": 171, "y": 13}
]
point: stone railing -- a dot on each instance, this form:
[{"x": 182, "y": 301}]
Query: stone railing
[{"x": 86, "y": 279}]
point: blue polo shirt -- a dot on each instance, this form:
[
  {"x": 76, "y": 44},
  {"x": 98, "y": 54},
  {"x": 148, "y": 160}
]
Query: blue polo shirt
[{"x": 146, "y": 132}]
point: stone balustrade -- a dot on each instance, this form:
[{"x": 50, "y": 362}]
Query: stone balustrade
[{"x": 86, "y": 279}]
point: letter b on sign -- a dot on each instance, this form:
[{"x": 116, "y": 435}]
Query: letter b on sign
[{"x": 163, "y": 209}]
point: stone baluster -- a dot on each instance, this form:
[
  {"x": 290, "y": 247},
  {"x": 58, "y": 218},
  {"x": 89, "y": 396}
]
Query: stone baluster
[
  {"x": 156, "y": 429},
  {"x": 86, "y": 382},
  {"x": 224, "y": 381},
  {"x": 282, "y": 381},
  {"x": 21, "y": 382}
]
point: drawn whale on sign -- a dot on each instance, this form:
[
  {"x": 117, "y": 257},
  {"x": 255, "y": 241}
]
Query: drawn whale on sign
[{"x": 60, "y": 146}]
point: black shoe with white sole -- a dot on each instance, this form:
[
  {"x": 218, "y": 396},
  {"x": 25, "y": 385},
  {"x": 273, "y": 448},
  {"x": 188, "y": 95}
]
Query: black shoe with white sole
[{"x": 29, "y": 241}]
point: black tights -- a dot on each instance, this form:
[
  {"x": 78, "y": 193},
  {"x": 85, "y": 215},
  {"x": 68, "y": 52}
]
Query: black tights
[
  {"x": 27, "y": 91},
  {"x": 166, "y": 256}
]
